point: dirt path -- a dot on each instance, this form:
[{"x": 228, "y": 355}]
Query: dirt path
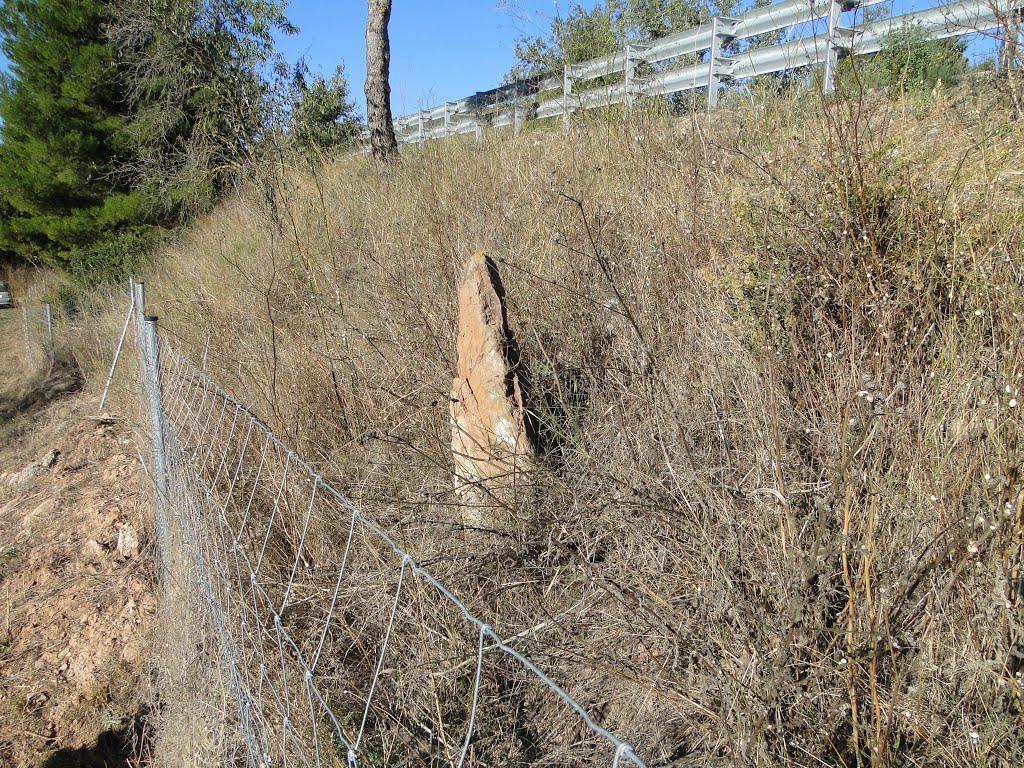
[{"x": 76, "y": 588}]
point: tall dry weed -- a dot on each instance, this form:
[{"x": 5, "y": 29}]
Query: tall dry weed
[{"x": 772, "y": 353}]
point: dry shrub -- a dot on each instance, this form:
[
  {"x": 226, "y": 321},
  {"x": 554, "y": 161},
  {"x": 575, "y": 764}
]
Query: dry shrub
[{"x": 772, "y": 355}]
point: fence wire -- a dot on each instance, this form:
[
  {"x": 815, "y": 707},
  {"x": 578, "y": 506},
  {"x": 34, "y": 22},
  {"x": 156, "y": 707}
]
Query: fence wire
[
  {"x": 340, "y": 649},
  {"x": 36, "y": 327}
]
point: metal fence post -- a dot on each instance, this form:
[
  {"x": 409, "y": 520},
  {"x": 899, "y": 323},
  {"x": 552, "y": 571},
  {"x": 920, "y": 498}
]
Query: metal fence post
[
  {"x": 48, "y": 312},
  {"x": 151, "y": 351},
  {"x": 120, "y": 342},
  {"x": 139, "y": 292},
  {"x": 139, "y": 297},
  {"x": 24, "y": 323}
]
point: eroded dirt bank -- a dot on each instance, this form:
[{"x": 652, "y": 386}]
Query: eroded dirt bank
[{"x": 76, "y": 585}]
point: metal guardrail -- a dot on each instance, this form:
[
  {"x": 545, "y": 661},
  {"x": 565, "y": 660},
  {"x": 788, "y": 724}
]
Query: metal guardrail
[{"x": 512, "y": 104}]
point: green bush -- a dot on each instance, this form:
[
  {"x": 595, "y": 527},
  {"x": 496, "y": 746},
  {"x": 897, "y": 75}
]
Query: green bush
[
  {"x": 909, "y": 62},
  {"x": 114, "y": 258},
  {"x": 323, "y": 114}
]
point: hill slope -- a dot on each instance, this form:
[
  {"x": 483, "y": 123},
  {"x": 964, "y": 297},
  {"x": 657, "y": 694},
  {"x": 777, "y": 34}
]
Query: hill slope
[{"x": 773, "y": 356}]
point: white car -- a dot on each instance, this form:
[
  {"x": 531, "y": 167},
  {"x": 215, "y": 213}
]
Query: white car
[{"x": 5, "y": 296}]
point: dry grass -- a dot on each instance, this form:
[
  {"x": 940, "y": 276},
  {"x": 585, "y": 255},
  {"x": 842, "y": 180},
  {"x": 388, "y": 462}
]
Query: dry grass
[
  {"x": 22, "y": 359},
  {"x": 86, "y": 328},
  {"x": 773, "y": 353}
]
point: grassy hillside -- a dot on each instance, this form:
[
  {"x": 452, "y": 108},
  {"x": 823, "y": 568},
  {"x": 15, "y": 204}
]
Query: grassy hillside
[{"x": 773, "y": 353}]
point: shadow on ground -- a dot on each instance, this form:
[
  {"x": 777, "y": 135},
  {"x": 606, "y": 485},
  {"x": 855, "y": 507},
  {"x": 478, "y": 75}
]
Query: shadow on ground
[
  {"x": 61, "y": 378},
  {"x": 125, "y": 747}
]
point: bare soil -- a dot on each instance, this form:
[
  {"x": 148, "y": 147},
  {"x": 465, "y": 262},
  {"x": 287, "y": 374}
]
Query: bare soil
[{"x": 74, "y": 610}]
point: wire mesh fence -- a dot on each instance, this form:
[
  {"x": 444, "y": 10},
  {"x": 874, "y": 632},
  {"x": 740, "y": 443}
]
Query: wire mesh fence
[
  {"x": 340, "y": 649},
  {"x": 36, "y": 321}
]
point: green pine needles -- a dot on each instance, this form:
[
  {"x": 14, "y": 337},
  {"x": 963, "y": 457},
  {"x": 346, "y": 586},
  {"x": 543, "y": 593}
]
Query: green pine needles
[
  {"x": 121, "y": 118},
  {"x": 64, "y": 113}
]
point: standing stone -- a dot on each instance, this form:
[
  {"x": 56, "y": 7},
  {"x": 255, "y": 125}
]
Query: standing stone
[{"x": 490, "y": 445}]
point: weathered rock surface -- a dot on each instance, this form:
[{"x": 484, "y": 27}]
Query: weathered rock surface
[
  {"x": 33, "y": 469},
  {"x": 490, "y": 444},
  {"x": 127, "y": 542}
]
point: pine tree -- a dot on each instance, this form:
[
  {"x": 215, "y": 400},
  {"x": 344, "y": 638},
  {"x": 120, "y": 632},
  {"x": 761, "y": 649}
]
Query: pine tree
[
  {"x": 63, "y": 111},
  {"x": 383, "y": 142},
  {"x": 197, "y": 82}
]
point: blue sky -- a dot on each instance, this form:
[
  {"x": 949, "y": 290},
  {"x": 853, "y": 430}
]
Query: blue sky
[{"x": 440, "y": 50}]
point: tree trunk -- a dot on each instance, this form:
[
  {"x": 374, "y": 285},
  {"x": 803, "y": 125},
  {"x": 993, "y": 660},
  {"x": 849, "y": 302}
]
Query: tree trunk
[{"x": 378, "y": 88}]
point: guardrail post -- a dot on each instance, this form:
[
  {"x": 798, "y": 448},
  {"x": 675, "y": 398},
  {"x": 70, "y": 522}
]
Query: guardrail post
[
  {"x": 24, "y": 323},
  {"x": 722, "y": 29},
  {"x": 832, "y": 52},
  {"x": 716, "y": 49},
  {"x": 631, "y": 83},
  {"x": 419, "y": 126},
  {"x": 567, "y": 83},
  {"x": 151, "y": 351},
  {"x": 478, "y": 129},
  {"x": 48, "y": 312},
  {"x": 517, "y": 115},
  {"x": 446, "y": 119}
]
